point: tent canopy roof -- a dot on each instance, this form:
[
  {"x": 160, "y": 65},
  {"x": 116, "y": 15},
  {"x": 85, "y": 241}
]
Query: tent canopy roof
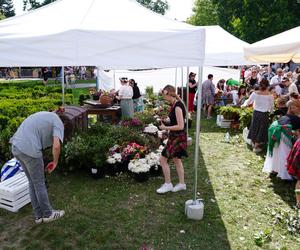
[
  {"x": 222, "y": 48},
  {"x": 112, "y": 33},
  {"x": 280, "y": 48}
]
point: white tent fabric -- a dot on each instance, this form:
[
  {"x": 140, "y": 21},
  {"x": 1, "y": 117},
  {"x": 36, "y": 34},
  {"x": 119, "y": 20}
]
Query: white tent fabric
[
  {"x": 115, "y": 34},
  {"x": 161, "y": 77},
  {"x": 222, "y": 48},
  {"x": 280, "y": 48}
]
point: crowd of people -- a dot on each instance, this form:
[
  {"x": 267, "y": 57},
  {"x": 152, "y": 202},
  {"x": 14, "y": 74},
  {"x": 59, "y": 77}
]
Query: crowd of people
[{"x": 273, "y": 93}]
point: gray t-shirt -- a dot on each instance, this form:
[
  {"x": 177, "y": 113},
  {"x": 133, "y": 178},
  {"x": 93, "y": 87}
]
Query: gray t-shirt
[{"x": 36, "y": 133}]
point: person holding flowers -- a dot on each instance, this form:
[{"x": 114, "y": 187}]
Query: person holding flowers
[{"x": 177, "y": 141}]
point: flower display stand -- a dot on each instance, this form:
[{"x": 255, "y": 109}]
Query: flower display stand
[
  {"x": 223, "y": 123},
  {"x": 14, "y": 192}
]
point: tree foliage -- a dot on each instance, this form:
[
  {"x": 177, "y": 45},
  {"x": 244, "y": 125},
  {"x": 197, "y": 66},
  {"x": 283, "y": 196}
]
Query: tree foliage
[
  {"x": 7, "y": 8},
  {"x": 250, "y": 20},
  {"x": 159, "y": 6},
  {"x": 204, "y": 13}
]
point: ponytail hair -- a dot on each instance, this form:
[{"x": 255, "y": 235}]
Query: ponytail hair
[{"x": 171, "y": 91}]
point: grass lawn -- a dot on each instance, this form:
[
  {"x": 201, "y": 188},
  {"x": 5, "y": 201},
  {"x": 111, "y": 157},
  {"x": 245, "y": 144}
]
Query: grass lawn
[{"x": 118, "y": 213}]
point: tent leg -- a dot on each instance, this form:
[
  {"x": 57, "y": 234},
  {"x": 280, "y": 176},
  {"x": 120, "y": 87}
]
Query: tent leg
[
  {"x": 182, "y": 83},
  {"x": 175, "y": 78},
  {"x": 114, "y": 79},
  {"x": 187, "y": 101},
  {"x": 63, "y": 84},
  {"x": 197, "y": 142},
  {"x": 97, "y": 79}
]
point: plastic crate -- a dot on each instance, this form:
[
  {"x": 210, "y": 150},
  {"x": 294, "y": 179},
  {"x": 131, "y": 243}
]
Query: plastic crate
[
  {"x": 221, "y": 122},
  {"x": 14, "y": 192}
]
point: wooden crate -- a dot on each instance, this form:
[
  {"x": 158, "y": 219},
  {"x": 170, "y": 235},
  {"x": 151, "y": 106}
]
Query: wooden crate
[{"x": 14, "y": 193}]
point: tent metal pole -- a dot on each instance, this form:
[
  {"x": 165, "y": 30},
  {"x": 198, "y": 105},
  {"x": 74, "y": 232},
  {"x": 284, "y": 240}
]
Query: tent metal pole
[
  {"x": 187, "y": 101},
  {"x": 182, "y": 83},
  {"x": 197, "y": 143},
  {"x": 63, "y": 84},
  {"x": 114, "y": 79},
  {"x": 176, "y": 79},
  {"x": 97, "y": 79}
]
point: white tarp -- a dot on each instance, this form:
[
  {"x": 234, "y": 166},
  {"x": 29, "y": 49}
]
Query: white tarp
[
  {"x": 280, "y": 48},
  {"x": 161, "y": 77},
  {"x": 115, "y": 34},
  {"x": 222, "y": 48}
]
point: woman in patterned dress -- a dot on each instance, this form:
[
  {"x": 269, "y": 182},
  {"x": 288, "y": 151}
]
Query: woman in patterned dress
[{"x": 177, "y": 141}]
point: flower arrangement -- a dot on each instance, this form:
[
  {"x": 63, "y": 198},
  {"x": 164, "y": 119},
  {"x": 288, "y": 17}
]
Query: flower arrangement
[{"x": 133, "y": 150}]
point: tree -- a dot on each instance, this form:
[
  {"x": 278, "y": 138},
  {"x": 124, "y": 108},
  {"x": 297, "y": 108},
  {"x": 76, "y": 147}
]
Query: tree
[
  {"x": 2, "y": 16},
  {"x": 7, "y": 8},
  {"x": 205, "y": 13},
  {"x": 253, "y": 20},
  {"x": 159, "y": 6}
]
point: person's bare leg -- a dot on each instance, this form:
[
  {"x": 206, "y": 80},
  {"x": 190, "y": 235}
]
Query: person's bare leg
[
  {"x": 166, "y": 168},
  {"x": 180, "y": 170},
  {"x": 209, "y": 110},
  {"x": 297, "y": 191}
]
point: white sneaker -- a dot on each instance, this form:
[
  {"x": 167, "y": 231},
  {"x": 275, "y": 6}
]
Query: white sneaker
[
  {"x": 56, "y": 214},
  {"x": 179, "y": 187},
  {"x": 38, "y": 220},
  {"x": 167, "y": 187}
]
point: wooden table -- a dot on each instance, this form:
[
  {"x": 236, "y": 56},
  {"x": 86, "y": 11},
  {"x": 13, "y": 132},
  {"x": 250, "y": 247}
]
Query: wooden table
[{"x": 95, "y": 108}]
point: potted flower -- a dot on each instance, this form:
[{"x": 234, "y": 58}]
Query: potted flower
[
  {"x": 105, "y": 98},
  {"x": 113, "y": 164},
  {"x": 153, "y": 162},
  {"x": 97, "y": 169},
  {"x": 139, "y": 167}
]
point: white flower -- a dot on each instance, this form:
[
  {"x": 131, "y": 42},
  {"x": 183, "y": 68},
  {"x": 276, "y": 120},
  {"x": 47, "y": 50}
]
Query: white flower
[
  {"x": 117, "y": 157},
  {"x": 160, "y": 149},
  {"x": 138, "y": 166},
  {"x": 111, "y": 160},
  {"x": 151, "y": 129}
]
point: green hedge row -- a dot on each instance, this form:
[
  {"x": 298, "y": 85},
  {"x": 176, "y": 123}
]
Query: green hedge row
[{"x": 18, "y": 100}]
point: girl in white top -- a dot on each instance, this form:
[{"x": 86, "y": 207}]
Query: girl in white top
[{"x": 263, "y": 104}]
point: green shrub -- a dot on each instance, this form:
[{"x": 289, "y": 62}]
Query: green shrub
[{"x": 230, "y": 113}]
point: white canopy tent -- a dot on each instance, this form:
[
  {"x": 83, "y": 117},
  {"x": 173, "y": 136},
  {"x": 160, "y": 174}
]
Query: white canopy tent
[
  {"x": 280, "y": 48},
  {"x": 222, "y": 48},
  {"x": 113, "y": 34}
]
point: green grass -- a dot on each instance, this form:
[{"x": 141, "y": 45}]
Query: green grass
[{"x": 118, "y": 213}]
